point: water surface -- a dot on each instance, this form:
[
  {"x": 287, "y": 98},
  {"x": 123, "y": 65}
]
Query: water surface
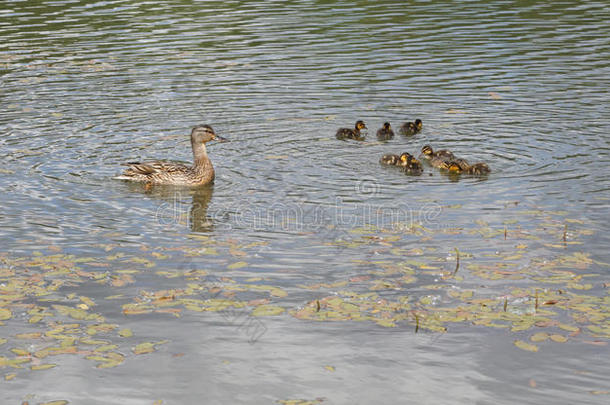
[{"x": 86, "y": 86}]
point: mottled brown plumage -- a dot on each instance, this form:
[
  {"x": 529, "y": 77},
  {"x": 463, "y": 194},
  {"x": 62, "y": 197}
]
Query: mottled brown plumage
[{"x": 162, "y": 172}]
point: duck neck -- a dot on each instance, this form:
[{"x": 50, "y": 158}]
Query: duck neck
[{"x": 200, "y": 156}]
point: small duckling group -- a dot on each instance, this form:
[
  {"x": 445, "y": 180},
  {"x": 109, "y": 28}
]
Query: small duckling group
[
  {"x": 442, "y": 159},
  {"x": 384, "y": 133},
  {"x": 446, "y": 160}
]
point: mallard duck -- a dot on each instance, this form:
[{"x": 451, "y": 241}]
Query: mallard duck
[
  {"x": 404, "y": 158},
  {"x": 161, "y": 172},
  {"x": 450, "y": 166},
  {"x": 408, "y": 128},
  {"x": 409, "y": 164},
  {"x": 478, "y": 169},
  {"x": 428, "y": 153},
  {"x": 347, "y": 133},
  {"x": 438, "y": 158},
  {"x": 389, "y": 159},
  {"x": 461, "y": 166},
  {"x": 462, "y": 163},
  {"x": 411, "y": 128},
  {"x": 418, "y": 125},
  {"x": 385, "y": 132}
]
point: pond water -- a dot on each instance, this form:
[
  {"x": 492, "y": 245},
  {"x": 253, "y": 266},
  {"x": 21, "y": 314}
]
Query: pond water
[{"x": 308, "y": 273}]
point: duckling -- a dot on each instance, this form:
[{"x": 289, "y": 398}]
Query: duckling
[
  {"x": 428, "y": 153},
  {"x": 418, "y": 125},
  {"x": 438, "y": 158},
  {"x": 410, "y": 165},
  {"x": 384, "y": 133},
  {"x": 411, "y": 128},
  {"x": 478, "y": 169},
  {"x": 408, "y": 128},
  {"x": 404, "y": 159},
  {"x": 461, "y": 166},
  {"x": 462, "y": 163},
  {"x": 347, "y": 133},
  {"x": 389, "y": 159},
  {"x": 451, "y": 166},
  {"x": 160, "y": 172}
]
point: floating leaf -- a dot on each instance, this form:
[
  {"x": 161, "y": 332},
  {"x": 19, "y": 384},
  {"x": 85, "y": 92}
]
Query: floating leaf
[
  {"x": 33, "y": 335},
  {"x": 43, "y": 366},
  {"x": 267, "y": 310},
  {"x": 539, "y": 337},
  {"x": 525, "y": 346},
  {"x": 5, "y": 314},
  {"x": 237, "y": 265},
  {"x": 125, "y": 333},
  {"x": 146, "y": 347},
  {"x": 558, "y": 338}
]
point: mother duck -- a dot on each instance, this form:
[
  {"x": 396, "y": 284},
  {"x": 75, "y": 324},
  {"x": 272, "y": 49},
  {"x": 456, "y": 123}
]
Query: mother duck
[{"x": 162, "y": 172}]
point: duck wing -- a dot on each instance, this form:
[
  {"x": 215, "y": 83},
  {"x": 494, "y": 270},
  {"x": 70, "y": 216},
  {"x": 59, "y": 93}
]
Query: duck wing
[{"x": 151, "y": 168}]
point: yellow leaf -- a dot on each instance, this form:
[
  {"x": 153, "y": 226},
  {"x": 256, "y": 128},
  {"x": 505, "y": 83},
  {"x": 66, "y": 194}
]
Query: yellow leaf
[
  {"x": 5, "y": 314},
  {"x": 43, "y": 366},
  {"x": 20, "y": 352},
  {"x": 559, "y": 338},
  {"x": 9, "y": 377},
  {"x": 125, "y": 333},
  {"x": 329, "y": 368},
  {"x": 143, "y": 348},
  {"x": 386, "y": 323},
  {"x": 88, "y": 301},
  {"x": 237, "y": 265},
  {"x": 526, "y": 346},
  {"x": 569, "y": 328},
  {"x": 267, "y": 310},
  {"x": 33, "y": 335},
  {"x": 539, "y": 337}
]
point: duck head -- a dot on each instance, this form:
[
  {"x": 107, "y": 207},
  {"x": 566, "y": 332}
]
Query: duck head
[
  {"x": 427, "y": 151},
  {"x": 360, "y": 125},
  {"x": 204, "y": 134},
  {"x": 404, "y": 159},
  {"x": 418, "y": 124}
]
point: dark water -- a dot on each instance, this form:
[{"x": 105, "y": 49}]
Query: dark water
[{"x": 86, "y": 86}]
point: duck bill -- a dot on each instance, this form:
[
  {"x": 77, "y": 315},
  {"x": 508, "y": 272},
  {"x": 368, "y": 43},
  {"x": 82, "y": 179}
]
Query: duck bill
[{"x": 220, "y": 139}]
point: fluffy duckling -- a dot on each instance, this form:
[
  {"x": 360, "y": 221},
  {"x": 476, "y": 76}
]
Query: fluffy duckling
[
  {"x": 428, "y": 153},
  {"x": 418, "y": 124},
  {"x": 408, "y": 128},
  {"x": 460, "y": 166},
  {"x": 389, "y": 159},
  {"x": 462, "y": 163},
  {"x": 478, "y": 169},
  {"x": 437, "y": 158},
  {"x": 409, "y": 164},
  {"x": 384, "y": 133},
  {"x": 451, "y": 167},
  {"x": 347, "y": 133},
  {"x": 411, "y": 128}
]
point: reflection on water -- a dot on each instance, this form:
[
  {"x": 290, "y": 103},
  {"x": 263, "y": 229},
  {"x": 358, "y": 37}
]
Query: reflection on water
[
  {"x": 178, "y": 205},
  {"x": 86, "y": 86}
]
